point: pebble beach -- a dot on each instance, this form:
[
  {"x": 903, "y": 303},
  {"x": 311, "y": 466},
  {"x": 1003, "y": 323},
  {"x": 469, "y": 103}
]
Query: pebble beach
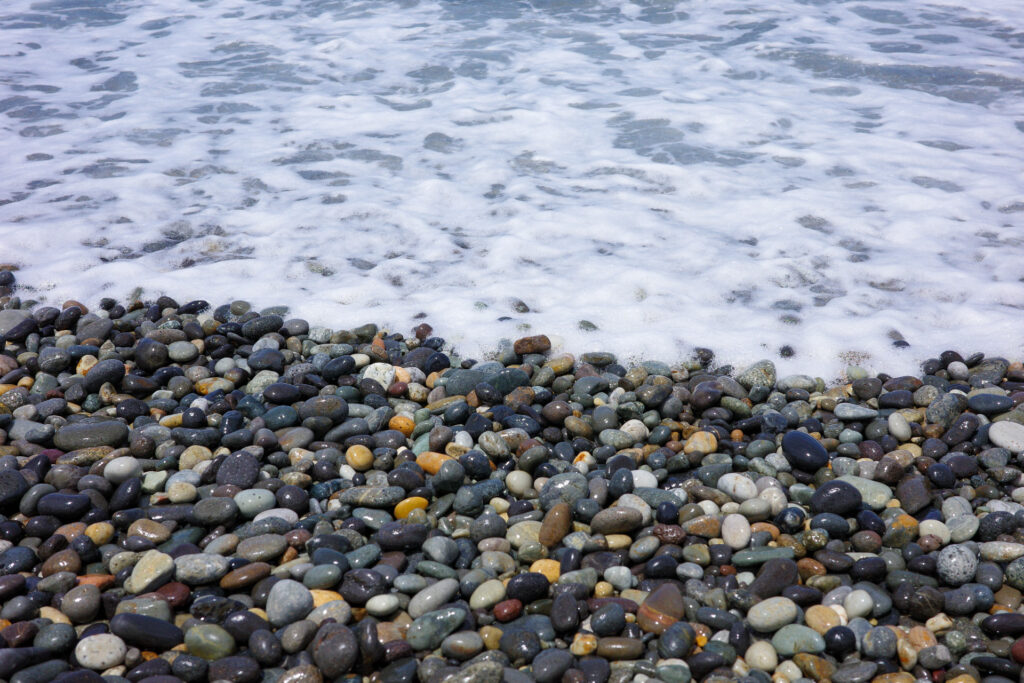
[{"x": 194, "y": 491}]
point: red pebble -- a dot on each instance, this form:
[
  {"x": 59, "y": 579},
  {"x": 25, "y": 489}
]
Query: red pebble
[
  {"x": 1017, "y": 651},
  {"x": 507, "y": 610}
]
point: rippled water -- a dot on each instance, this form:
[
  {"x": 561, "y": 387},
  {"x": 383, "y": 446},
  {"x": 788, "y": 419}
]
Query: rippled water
[{"x": 641, "y": 177}]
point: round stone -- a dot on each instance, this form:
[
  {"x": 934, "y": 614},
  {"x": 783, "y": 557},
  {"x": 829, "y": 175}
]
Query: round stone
[
  {"x": 120, "y": 470},
  {"x": 289, "y": 601},
  {"x": 761, "y": 656},
  {"x": 956, "y": 564},
  {"x": 772, "y": 614},
  {"x": 879, "y": 643},
  {"x": 100, "y": 652}
]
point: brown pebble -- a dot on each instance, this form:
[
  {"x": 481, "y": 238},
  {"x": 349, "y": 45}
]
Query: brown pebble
[
  {"x": 661, "y": 609},
  {"x": 245, "y": 576},
  {"x": 175, "y": 593},
  {"x": 557, "y": 523},
  {"x": 616, "y": 648},
  {"x": 19, "y": 633},
  {"x": 507, "y": 610},
  {"x": 71, "y": 531},
  {"x": 809, "y": 567},
  {"x": 150, "y": 530},
  {"x": 226, "y": 491},
  {"x": 535, "y": 344},
  {"x": 297, "y": 537},
  {"x": 394, "y": 558},
  {"x": 66, "y": 560},
  {"x": 669, "y": 533}
]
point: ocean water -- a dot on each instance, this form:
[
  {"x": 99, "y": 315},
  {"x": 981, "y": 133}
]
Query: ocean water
[{"x": 642, "y": 177}]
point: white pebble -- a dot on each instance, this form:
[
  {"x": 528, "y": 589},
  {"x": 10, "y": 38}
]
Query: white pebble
[
  {"x": 518, "y": 482},
  {"x": 644, "y": 479},
  {"x": 100, "y": 652},
  {"x": 858, "y": 604},
  {"x": 122, "y": 469},
  {"x": 762, "y": 656},
  {"x": 935, "y": 528},
  {"x": 709, "y": 507},
  {"x": 737, "y": 486},
  {"x": 736, "y": 531}
]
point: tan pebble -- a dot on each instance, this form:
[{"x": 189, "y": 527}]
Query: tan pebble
[
  {"x": 920, "y": 638},
  {"x": 700, "y": 442},
  {"x": 387, "y": 632},
  {"x": 618, "y": 541},
  {"x": 181, "y": 492},
  {"x": 100, "y": 533},
  {"x": 150, "y": 530},
  {"x": 939, "y": 624},
  {"x": 322, "y": 597},
  {"x": 603, "y": 589},
  {"x": 551, "y": 569},
  {"x": 192, "y": 456},
  {"x": 583, "y": 644},
  {"x": 821, "y": 618},
  {"x": 1008, "y": 596},
  {"x": 901, "y": 677},
  {"x": 171, "y": 421},
  {"x": 906, "y": 653},
  {"x": 54, "y": 615},
  {"x": 359, "y": 457},
  {"x": 491, "y": 637},
  {"x": 85, "y": 364}
]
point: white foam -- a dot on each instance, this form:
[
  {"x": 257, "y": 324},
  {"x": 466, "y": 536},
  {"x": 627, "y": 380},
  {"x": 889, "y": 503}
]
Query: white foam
[{"x": 741, "y": 176}]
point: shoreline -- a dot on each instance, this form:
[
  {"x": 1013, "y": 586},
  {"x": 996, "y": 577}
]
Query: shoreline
[{"x": 207, "y": 492}]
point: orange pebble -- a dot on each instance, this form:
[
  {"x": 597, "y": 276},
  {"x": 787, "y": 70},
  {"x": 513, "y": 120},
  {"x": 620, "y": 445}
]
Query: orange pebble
[
  {"x": 431, "y": 461},
  {"x": 401, "y": 423},
  {"x": 406, "y": 506},
  {"x": 101, "y": 581}
]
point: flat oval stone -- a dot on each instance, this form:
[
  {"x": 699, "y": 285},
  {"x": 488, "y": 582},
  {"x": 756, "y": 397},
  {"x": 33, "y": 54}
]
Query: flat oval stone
[
  {"x": 428, "y": 631},
  {"x": 146, "y": 633},
  {"x": 64, "y": 506},
  {"x": 1008, "y": 435},
  {"x": 262, "y": 548},
  {"x": 100, "y": 652},
  {"x": 838, "y": 497},
  {"x": 794, "y": 638},
  {"x": 209, "y": 641},
  {"x": 79, "y": 435},
  {"x": 615, "y": 520},
  {"x": 618, "y": 648},
  {"x": 432, "y": 597},
  {"x": 772, "y": 614}
]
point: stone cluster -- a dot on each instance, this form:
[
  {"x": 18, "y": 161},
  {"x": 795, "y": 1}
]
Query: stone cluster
[{"x": 214, "y": 493}]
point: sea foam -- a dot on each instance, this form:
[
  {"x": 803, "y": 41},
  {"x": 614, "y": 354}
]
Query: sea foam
[{"x": 640, "y": 177}]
